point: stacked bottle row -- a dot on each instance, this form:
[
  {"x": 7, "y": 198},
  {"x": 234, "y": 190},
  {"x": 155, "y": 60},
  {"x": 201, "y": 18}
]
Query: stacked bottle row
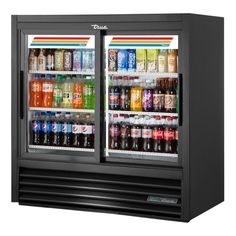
[
  {"x": 62, "y": 129},
  {"x": 62, "y": 60},
  {"x": 148, "y": 134},
  {"x": 62, "y": 91},
  {"x": 131, "y": 93},
  {"x": 143, "y": 60}
]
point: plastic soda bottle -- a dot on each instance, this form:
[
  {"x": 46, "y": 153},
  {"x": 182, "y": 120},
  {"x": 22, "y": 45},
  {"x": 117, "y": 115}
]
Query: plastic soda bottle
[
  {"x": 47, "y": 88},
  {"x": 78, "y": 95},
  {"x": 68, "y": 88},
  {"x": 33, "y": 60},
  {"x": 87, "y": 93},
  {"x": 36, "y": 129},
  {"x": 35, "y": 92},
  {"x": 57, "y": 92}
]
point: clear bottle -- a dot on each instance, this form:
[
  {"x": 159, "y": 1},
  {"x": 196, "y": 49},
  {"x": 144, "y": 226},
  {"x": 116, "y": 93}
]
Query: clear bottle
[
  {"x": 172, "y": 61},
  {"x": 68, "y": 88},
  {"x": 88, "y": 90},
  {"x": 163, "y": 61},
  {"x": 33, "y": 60}
]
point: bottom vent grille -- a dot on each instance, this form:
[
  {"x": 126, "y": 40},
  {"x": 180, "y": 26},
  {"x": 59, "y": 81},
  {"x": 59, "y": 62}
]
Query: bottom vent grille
[{"x": 151, "y": 197}]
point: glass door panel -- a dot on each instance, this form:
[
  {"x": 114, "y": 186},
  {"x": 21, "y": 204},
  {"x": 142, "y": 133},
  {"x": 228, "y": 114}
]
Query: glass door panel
[
  {"x": 141, "y": 103},
  {"x": 61, "y": 93}
]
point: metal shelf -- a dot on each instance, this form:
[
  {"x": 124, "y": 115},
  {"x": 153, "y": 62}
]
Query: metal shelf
[
  {"x": 61, "y": 109},
  {"x": 173, "y": 155},
  {"x": 51, "y": 72},
  {"x": 134, "y": 73},
  {"x": 62, "y": 148},
  {"x": 143, "y": 113}
]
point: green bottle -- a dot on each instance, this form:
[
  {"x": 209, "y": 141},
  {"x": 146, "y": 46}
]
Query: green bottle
[{"x": 57, "y": 92}]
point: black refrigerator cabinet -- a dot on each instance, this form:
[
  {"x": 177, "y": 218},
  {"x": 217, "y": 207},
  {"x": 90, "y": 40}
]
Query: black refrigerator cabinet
[{"x": 118, "y": 113}]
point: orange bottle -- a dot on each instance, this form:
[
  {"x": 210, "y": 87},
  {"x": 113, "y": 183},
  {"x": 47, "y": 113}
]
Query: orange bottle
[
  {"x": 47, "y": 88},
  {"x": 78, "y": 95},
  {"x": 35, "y": 92}
]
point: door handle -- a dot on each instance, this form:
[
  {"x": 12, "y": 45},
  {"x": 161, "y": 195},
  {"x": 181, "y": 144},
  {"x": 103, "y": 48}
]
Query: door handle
[
  {"x": 180, "y": 97},
  {"x": 21, "y": 94}
]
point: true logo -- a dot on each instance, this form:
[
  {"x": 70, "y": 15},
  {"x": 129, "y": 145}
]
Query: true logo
[{"x": 100, "y": 27}]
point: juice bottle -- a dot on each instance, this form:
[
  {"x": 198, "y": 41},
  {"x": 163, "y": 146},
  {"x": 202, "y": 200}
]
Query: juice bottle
[
  {"x": 68, "y": 88},
  {"x": 172, "y": 61},
  {"x": 47, "y": 88},
  {"x": 59, "y": 60},
  {"x": 78, "y": 95},
  {"x": 87, "y": 93},
  {"x": 57, "y": 92},
  {"x": 163, "y": 61},
  {"x": 35, "y": 92}
]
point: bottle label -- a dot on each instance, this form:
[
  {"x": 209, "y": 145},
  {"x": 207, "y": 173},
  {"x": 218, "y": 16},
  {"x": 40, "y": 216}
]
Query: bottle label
[
  {"x": 67, "y": 60},
  {"x": 41, "y": 62},
  {"x": 169, "y": 135},
  {"x": 57, "y": 94},
  {"x": 136, "y": 99},
  {"x": 33, "y": 63},
  {"x": 59, "y": 60},
  {"x": 66, "y": 128},
  {"x": 114, "y": 99},
  {"x": 35, "y": 87},
  {"x": 56, "y": 128},
  {"x": 158, "y": 100},
  {"x": 76, "y": 129},
  {"x": 162, "y": 63},
  {"x": 114, "y": 131},
  {"x": 78, "y": 99},
  {"x": 124, "y": 99},
  {"x": 67, "y": 97},
  {"x": 157, "y": 134},
  {"x": 172, "y": 64},
  {"x": 87, "y": 129},
  {"x": 87, "y": 90},
  {"x": 170, "y": 101},
  {"x": 49, "y": 62},
  {"x": 46, "y": 127},
  {"x": 136, "y": 133},
  {"x": 77, "y": 65},
  {"x": 124, "y": 132},
  {"x": 47, "y": 88},
  {"x": 36, "y": 126},
  {"x": 146, "y": 133}
]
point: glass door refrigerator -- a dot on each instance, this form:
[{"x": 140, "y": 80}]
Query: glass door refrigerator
[{"x": 118, "y": 113}]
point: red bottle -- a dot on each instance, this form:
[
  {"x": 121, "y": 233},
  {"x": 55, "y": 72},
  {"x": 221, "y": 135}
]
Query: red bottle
[
  {"x": 169, "y": 135},
  {"x": 147, "y": 138},
  {"x": 158, "y": 136},
  {"x": 125, "y": 135},
  {"x": 136, "y": 136}
]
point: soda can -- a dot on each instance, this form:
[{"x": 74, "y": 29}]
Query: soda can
[
  {"x": 77, "y": 60},
  {"x": 122, "y": 60},
  {"x": 112, "y": 60},
  {"x": 152, "y": 60},
  {"x": 131, "y": 60},
  {"x": 141, "y": 60}
]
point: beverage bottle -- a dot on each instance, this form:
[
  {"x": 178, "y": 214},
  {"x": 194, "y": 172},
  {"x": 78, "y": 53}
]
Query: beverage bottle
[
  {"x": 158, "y": 136},
  {"x": 172, "y": 61},
  {"x": 87, "y": 93},
  {"x": 159, "y": 97},
  {"x": 56, "y": 130},
  {"x": 47, "y": 130},
  {"x": 125, "y": 95},
  {"x": 78, "y": 95},
  {"x": 87, "y": 60},
  {"x": 50, "y": 60},
  {"x": 147, "y": 97},
  {"x": 136, "y": 135},
  {"x": 42, "y": 60},
  {"x": 67, "y": 130},
  {"x": 147, "y": 136},
  {"x": 77, "y": 60},
  {"x": 136, "y": 97},
  {"x": 114, "y": 94},
  {"x": 68, "y": 88},
  {"x": 59, "y": 59},
  {"x": 33, "y": 60},
  {"x": 35, "y": 91},
  {"x": 162, "y": 61},
  {"x": 170, "y": 96},
  {"x": 169, "y": 134},
  {"x": 57, "y": 92},
  {"x": 47, "y": 88},
  {"x": 68, "y": 60},
  {"x": 125, "y": 133},
  {"x": 36, "y": 129},
  {"x": 114, "y": 131},
  {"x": 76, "y": 132},
  {"x": 87, "y": 132}
]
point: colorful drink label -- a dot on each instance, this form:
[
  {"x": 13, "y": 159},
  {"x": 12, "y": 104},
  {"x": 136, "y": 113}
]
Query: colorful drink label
[
  {"x": 112, "y": 59},
  {"x": 136, "y": 133},
  {"x": 141, "y": 60},
  {"x": 151, "y": 60},
  {"x": 131, "y": 60},
  {"x": 146, "y": 133},
  {"x": 77, "y": 60},
  {"x": 66, "y": 128},
  {"x": 56, "y": 127},
  {"x": 76, "y": 129},
  {"x": 114, "y": 131},
  {"x": 147, "y": 100},
  {"x": 46, "y": 127},
  {"x": 87, "y": 129},
  {"x": 170, "y": 101},
  {"x": 36, "y": 126},
  {"x": 122, "y": 60},
  {"x": 169, "y": 135},
  {"x": 157, "y": 134}
]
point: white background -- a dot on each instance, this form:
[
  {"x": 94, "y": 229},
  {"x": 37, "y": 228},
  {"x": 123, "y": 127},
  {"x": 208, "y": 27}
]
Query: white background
[{"x": 33, "y": 221}]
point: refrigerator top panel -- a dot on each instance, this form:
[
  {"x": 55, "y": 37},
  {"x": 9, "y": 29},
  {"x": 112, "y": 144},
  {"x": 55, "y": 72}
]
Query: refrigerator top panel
[
  {"x": 61, "y": 41},
  {"x": 141, "y": 41}
]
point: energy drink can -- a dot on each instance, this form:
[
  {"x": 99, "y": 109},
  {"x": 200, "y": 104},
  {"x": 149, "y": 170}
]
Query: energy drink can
[
  {"x": 122, "y": 60},
  {"x": 152, "y": 60},
  {"x": 141, "y": 60},
  {"x": 112, "y": 60},
  {"x": 131, "y": 60}
]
